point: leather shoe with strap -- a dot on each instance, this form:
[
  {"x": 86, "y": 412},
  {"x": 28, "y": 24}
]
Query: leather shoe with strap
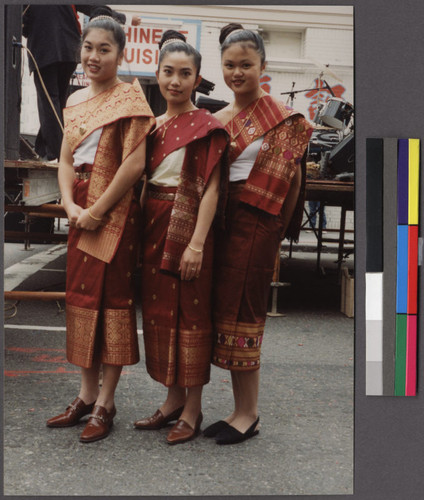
[
  {"x": 98, "y": 425},
  {"x": 182, "y": 432},
  {"x": 72, "y": 415},
  {"x": 158, "y": 420}
]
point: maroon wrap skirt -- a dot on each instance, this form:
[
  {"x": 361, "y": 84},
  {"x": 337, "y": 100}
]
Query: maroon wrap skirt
[
  {"x": 100, "y": 311},
  {"x": 177, "y": 323},
  {"x": 245, "y": 257}
]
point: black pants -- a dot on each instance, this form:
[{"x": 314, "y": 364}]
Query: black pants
[{"x": 56, "y": 79}]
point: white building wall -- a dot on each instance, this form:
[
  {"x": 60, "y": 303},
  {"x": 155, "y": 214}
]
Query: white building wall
[
  {"x": 300, "y": 40},
  {"x": 330, "y": 46}
]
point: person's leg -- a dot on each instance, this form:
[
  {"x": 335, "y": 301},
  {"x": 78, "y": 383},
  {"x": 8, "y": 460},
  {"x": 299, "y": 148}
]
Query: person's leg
[
  {"x": 193, "y": 405},
  {"x": 89, "y": 383},
  {"x": 176, "y": 398},
  {"x": 236, "y": 395},
  {"x": 313, "y": 209},
  {"x": 245, "y": 390},
  {"x": 106, "y": 397},
  {"x": 64, "y": 77},
  {"x": 84, "y": 403},
  {"x": 101, "y": 418}
]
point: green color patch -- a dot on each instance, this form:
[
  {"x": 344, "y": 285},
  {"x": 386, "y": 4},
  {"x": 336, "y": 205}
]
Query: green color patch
[{"x": 400, "y": 357}]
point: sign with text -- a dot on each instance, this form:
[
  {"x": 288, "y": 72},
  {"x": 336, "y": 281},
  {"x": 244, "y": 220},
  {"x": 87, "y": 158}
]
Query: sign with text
[{"x": 142, "y": 51}]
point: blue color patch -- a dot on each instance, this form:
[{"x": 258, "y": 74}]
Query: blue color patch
[{"x": 402, "y": 270}]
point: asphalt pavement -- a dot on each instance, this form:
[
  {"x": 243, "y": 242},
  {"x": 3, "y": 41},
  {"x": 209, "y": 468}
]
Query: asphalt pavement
[{"x": 305, "y": 444}]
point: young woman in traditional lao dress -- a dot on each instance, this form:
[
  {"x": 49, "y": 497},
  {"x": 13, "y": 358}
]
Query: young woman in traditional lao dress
[
  {"x": 268, "y": 141},
  {"x": 184, "y": 162},
  {"x": 102, "y": 158}
]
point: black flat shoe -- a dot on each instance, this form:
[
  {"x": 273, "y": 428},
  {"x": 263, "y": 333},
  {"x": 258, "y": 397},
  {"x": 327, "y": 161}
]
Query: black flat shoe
[
  {"x": 215, "y": 428},
  {"x": 230, "y": 435}
]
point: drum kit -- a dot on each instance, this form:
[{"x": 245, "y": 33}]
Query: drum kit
[{"x": 332, "y": 141}]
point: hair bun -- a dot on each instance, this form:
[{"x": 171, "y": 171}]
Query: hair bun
[
  {"x": 226, "y": 30},
  {"x": 171, "y": 35}
]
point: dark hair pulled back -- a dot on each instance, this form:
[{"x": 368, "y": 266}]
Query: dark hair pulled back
[
  {"x": 236, "y": 33},
  {"x": 178, "y": 44},
  {"x": 107, "y": 24}
]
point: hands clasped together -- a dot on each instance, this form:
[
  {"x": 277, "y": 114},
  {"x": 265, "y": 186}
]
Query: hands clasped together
[{"x": 82, "y": 218}]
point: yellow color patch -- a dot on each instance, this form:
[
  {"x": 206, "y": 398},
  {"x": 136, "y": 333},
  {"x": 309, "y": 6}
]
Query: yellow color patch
[{"x": 413, "y": 180}]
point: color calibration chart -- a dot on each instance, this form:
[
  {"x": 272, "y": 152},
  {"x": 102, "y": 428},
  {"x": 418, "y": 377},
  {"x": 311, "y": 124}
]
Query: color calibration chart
[{"x": 392, "y": 260}]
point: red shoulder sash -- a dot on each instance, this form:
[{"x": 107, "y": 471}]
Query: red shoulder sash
[{"x": 179, "y": 132}]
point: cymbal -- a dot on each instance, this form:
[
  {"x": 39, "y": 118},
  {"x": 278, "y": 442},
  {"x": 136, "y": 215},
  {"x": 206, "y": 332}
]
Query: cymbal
[{"x": 325, "y": 70}]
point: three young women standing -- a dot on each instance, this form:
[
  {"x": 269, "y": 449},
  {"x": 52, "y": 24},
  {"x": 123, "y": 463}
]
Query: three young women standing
[
  {"x": 102, "y": 157},
  {"x": 106, "y": 125},
  {"x": 268, "y": 141},
  {"x": 184, "y": 163}
]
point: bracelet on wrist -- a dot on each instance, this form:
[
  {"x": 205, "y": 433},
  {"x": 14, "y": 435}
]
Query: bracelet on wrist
[
  {"x": 97, "y": 219},
  {"x": 195, "y": 249}
]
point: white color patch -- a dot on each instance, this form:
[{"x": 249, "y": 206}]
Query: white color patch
[{"x": 374, "y": 296}]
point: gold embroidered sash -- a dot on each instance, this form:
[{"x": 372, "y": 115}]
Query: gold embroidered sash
[
  {"x": 126, "y": 119},
  {"x": 286, "y": 135}
]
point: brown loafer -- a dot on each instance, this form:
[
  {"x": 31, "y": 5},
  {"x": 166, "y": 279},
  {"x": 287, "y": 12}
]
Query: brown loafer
[
  {"x": 158, "y": 420},
  {"x": 76, "y": 410},
  {"x": 182, "y": 432},
  {"x": 98, "y": 425}
]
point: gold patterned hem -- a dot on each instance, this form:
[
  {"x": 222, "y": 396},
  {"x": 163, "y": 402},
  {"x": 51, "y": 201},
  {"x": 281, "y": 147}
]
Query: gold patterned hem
[
  {"x": 194, "y": 355},
  {"x": 81, "y": 327},
  {"x": 120, "y": 342},
  {"x": 185, "y": 363},
  {"x": 160, "y": 352}
]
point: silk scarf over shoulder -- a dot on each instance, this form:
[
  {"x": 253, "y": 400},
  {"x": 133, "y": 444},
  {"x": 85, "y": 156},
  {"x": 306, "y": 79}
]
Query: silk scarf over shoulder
[
  {"x": 206, "y": 141},
  {"x": 286, "y": 135},
  {"x": 126, "y": 119}
]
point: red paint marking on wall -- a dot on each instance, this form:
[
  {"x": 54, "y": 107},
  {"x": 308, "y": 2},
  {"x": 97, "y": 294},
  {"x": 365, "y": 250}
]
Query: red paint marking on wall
[
  {"x": 265, "y": 83},
  {"x": 321, "y": 95}
]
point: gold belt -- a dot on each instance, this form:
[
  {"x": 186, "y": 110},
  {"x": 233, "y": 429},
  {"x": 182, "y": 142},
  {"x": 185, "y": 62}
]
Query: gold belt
[
  {"x": 158, "y": 195},
  {"x": 82, "y": 175}
]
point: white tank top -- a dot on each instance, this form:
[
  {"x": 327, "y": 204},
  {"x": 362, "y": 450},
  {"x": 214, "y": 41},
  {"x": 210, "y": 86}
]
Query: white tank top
[
  {"x": 243, "y": 164},
  {"x": 86, "y": 151},
  {"x": 167, "y": 173}
]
